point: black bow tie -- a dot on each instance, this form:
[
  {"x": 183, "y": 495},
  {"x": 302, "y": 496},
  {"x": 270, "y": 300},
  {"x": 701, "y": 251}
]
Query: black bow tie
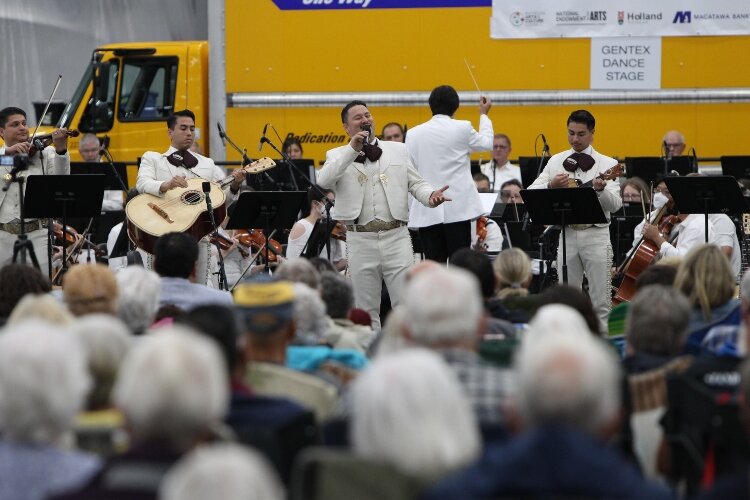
[
  {"x": 370, "y": 151},
  {"x": 182, "y": 159},
  {"x": 578, "y": 160}
]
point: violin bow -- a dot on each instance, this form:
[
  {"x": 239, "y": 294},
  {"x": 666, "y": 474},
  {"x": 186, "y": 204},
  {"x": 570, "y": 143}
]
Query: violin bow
[{"x": 46, "y": 108}]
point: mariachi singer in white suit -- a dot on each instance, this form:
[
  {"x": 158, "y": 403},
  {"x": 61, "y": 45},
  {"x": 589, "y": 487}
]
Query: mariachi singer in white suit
[
  {"x": 372, "y": 182},
  {"x": 440, "y": 150},
  {"x": 157, "y": 175}
]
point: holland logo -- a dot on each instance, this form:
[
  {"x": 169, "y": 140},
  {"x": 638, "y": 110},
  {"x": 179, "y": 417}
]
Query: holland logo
[{"x": 516, "y": 19}]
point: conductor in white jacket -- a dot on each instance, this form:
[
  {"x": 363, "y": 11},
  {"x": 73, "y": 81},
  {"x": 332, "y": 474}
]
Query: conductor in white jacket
[{"x": 440, "y": 150}]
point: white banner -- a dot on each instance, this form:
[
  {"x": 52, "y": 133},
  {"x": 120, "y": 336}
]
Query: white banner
[
  {"x": 608, "y": 18},
  {"x": 626, "y": 63}
]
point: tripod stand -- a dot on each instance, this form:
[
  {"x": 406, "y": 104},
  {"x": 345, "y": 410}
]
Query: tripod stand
[{"x": 23, "y": 246}]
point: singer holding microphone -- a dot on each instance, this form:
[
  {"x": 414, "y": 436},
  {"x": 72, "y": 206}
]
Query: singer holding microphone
[
  {"x": 160, "y": 172},
  {"x": 588, "y": 246},
  {"x": 372, "y": 180},
  {"x": 440, "y": 150}
]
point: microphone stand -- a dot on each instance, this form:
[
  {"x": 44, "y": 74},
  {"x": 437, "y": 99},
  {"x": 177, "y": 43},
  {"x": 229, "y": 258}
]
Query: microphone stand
[
  {"x": 329, "y": 203},
  {"x": 222, "y": 274},
  {"x": 104, "y": 151},
  {"x": 666, "y": 157},
  {"x": 246, "y": 159}
]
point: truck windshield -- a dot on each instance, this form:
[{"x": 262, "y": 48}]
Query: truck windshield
[{"x": 75, "y": 101}]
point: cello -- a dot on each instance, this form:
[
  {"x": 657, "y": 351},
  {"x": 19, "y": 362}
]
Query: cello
[{"x": 643, "y": 255}]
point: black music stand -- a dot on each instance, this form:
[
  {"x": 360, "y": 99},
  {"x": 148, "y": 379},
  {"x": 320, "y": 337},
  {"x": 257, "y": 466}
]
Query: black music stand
[
  {"x": 529, "y": 166},
  {"x": 561, "y": 207},
  {"x": 707, "y": 195},
  {"x": 63, "y": 196},
  {"x": 270, "y": 211},
  {"x": 649, "y": 168},
  {"x": 317, "y": 240},
  {"x": 736, "y": 166}
]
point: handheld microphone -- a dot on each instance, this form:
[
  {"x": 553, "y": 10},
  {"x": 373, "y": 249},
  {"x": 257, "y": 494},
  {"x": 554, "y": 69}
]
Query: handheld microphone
[
  {"x": 545, "y": 149},
  {"x": 263, "y": 138},
  {"x": 222, "y": 135},
  {"x": 368, "y": 129}
]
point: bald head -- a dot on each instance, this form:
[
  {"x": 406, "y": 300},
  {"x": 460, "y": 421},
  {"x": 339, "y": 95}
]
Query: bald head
[{"x": 674, "y": 142}]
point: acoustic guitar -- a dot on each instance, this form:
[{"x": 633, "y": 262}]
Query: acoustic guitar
[{"x": 181, "y": 210}]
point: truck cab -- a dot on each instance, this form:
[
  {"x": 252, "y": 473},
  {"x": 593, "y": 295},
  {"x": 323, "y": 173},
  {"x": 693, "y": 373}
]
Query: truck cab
[{"x": 127, "y": 92}]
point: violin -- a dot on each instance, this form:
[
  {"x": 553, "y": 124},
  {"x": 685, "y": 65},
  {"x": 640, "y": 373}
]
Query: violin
[
  {"x": 225, "y": 244},
  {"x": 255, "y": 239},
  {"x": 74, "y": 244},
  {"x": 608, "y": 175},
  {"x": 45, "y": 140},
  {"x": 338, "y": 231}
]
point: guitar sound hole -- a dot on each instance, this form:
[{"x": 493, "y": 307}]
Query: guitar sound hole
[{"x": 192, "y": 197}]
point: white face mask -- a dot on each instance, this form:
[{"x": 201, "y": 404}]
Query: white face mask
[{"x": 660, "y": 199}]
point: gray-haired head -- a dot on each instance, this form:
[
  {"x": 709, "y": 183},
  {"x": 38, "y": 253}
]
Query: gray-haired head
[
  {"x": 657, "y": 320},
  {"x": 43, "y": 382}
]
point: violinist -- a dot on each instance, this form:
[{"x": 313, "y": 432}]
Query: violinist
[
  {"x": 160, "y": 172},
  {"x": 588, "y": 246},
  {"x": 53, "y": 159},
  {"x": 302, "y": 229},
  {"x": 487, "y": 236}
]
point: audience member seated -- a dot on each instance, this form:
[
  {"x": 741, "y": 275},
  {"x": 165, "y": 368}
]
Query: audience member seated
[
  {"x": 42, "y": 307},
  {"x": 322, "y": 265},
  {"x": 656, "y": 327},
  {"x": 313, "y": 212},
  {"x": 43, "y": 384},
  {"x": 298, "y": 271},
  {"x": 16, "y": 281},
  {"x": 706, "y": 279},
  {"x": 635, "y": 190},
  {"x": 338, "y": 296},
  {"x": 444, "y": 313},
  {"x": 175, "y": 258},
  {"x": 409, "y": 411},
  {"x": 736, "y": 485},
  {"x": 139, "y": 297},
  {"x": 106, "y": 340},
  {"x": 222, "y": 471},
  {"x": 309, "y": 351},
  {"x": 569, "y": 402},
  {"x": 277, "y": 427},
  {"x": 575, "y": 298},
  {"x": 480, "y": 266},
  {"x": 513, "y": 276},
  {"x": 90, "y": 289},
  {"x": 655, "y": 274},
  {"x": 266, "y": 317},
  {"x": 173, "y": 394}
]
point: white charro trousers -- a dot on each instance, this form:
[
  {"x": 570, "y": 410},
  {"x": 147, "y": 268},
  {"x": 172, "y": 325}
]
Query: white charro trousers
[
  {"x": 590, "y": 251},
  {"x": 374, "y": 257}
]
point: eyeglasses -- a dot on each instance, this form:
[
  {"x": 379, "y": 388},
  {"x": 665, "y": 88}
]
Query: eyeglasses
[
  {"x": 499, "y": 146},
  {"x": 675, "y": 145},
  {"x": 663, "y": 191}
]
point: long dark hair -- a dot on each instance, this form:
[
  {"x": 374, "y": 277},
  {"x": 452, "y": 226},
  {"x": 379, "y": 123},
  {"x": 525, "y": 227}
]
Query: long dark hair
[{"x": 313, "y": 194}]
